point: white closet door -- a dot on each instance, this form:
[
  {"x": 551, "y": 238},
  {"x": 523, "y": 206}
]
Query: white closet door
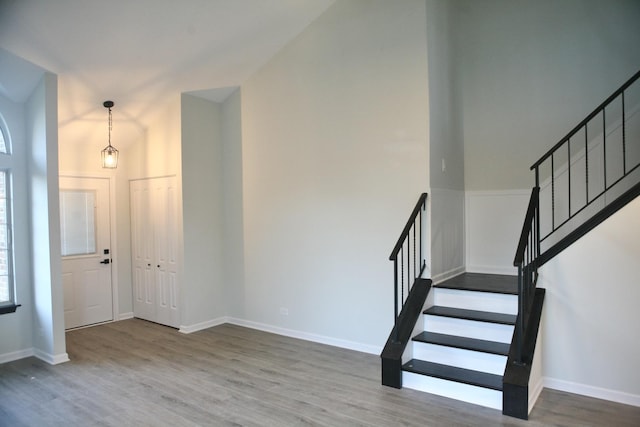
[{"x": 154, "y": 231}]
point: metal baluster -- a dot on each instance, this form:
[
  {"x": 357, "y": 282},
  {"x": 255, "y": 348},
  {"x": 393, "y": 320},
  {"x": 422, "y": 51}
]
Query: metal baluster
[
  {"x": 402, "y": 274},
  {"x": 569, "y": 171},
  {"x": 414, "y": 251},
  {"x": 586, "y": 162},
  {"x": 553, "y": 196},
  {"x": 624, "y": 143},
  {"x": 395, "y": 295},
  {"x": 421, "y": 260},
  {"x": 408, "y": 269},
  {"x": 604, "y": 148},
  {"x": 520, "y": 325}
]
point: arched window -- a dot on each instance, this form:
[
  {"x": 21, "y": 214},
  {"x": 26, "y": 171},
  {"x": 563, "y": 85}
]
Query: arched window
[
  {"x": 3, "y": 143},
  {"x": 7, "y": 300}
]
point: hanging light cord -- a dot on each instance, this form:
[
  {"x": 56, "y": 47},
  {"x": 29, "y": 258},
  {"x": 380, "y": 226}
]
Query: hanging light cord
[{"x": 110, "y": 126}]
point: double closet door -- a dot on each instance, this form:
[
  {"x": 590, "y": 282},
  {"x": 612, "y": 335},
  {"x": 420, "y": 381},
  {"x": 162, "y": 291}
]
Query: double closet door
[{"x": 154, "y": 235}]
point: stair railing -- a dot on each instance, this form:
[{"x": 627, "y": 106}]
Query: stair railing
[
  {"x": 526, "y": 260},
  {"x": 598, "y": 142},
  {"x": 408, "y": 259},
  {"x": 591, "y": 159}
]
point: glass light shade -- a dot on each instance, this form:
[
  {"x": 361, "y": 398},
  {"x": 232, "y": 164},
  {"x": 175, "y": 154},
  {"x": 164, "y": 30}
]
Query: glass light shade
[{"x": 110, "y": 157}]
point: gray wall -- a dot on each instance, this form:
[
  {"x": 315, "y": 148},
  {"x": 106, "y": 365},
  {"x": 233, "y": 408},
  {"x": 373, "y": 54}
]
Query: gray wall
[
  {"x": 335, "y": 155},
  {"x": 446, "y": 149},
  {"x": 202, "y": 201},
  {"x": 530, "y": 71}
]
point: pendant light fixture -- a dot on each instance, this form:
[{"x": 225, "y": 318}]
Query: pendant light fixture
[{"x": 109, "y": 154}]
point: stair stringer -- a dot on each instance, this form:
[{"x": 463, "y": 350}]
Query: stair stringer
[{"x": 522, "y": 382}]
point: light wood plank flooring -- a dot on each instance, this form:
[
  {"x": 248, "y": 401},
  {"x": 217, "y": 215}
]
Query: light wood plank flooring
[{"x": 136, "y": 373}]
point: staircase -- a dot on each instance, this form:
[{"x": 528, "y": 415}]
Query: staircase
[
  {"x": 462, "y": 344},
  {"x": 473, "y": 337}
]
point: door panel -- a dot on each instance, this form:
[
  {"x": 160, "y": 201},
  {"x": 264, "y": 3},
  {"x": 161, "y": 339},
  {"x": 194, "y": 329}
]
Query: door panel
[
  {"x": 85, "y": 236},
  {"x": 154, "y": 226}
]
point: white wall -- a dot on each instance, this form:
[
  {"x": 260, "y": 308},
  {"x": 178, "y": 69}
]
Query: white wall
[
  {"x": 445, "y": 120},
  {"x": 531, "y": 71},
  {"x": 233, "y": 237},
  {"x": 447, "y": 221},
  {"x": 16, "y": 338},
  {"x": 202, "y": 203},
  {"x": 334, "y": 157},
  {"x": 41, "y": 119},
  {"x": 158, "y": 151},
  {"x": 591, "y": 314},
  {"x": 446, "y": 149},
  {"x": 493, "y": 225},
  {"x": 156, "y": 154}
]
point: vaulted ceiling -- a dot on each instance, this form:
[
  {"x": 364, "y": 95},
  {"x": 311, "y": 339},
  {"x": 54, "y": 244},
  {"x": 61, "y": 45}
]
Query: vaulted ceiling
[{"x": 139, "y": 53}]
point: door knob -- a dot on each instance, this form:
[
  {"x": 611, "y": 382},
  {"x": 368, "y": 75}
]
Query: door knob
[{"x": 105, "y": 261}]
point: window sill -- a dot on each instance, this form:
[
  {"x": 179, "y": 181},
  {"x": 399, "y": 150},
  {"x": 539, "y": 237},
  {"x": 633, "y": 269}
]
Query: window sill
[{"x": 6, "y": 309}]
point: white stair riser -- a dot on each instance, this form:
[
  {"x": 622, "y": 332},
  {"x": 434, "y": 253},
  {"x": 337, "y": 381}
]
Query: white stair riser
[
  {"x": 453, "y": 390},
  {"x": 468, "y": 359},
  {"x": 468, "y": 328},
  {"x": 471, "y": 300}
]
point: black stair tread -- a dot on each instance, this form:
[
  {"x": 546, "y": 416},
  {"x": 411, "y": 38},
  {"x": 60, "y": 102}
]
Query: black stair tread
[
  {"x": 482, "y": 316},
  {"x": 496, "y": 283},
  {"x": 453, "y": 373},
  {"x": 465, "y": 343}
]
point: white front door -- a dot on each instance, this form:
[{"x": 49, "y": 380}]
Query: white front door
[{"x": 86, "y": 251}]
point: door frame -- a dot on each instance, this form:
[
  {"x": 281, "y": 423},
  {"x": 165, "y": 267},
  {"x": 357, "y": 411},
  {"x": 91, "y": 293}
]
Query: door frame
[{"x": 112, "y": 237}]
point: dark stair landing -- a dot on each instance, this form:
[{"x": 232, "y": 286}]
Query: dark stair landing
[{"x": 496, "y": 283}]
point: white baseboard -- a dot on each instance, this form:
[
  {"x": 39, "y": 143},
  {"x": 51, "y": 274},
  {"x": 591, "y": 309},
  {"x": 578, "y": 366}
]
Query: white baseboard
[
  {"x": 52, "y": 359},
  {"x": 591, "y": 391},
  {"x": 492, "y": 269},
  {"x": 125, "y": 316},
  {"x": 16, "y": 355},
  {"x": 321, "y": 339},
  {"x": 189, "y": 329},
  {"x": 439, "y": 278}
]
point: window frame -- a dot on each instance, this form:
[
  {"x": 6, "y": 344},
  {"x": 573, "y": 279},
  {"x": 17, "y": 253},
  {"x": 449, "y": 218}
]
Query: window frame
[{"x": 10, "y": 305}]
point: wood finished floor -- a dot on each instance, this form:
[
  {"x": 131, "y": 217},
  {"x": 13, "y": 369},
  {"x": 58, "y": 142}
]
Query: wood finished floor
[{"x": 136, "y": 373}]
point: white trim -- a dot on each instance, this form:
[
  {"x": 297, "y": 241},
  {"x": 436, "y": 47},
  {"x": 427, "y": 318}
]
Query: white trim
[
  {"x": 52, "y": 359},
  {"x": 592, "y": 391},
  {"x": 89, "y": 326},
  {"x": 534, "y": 393},
  {"x": 125, "y": 316},
  {"x": 188, "y": 329},
  {"x": 321, "y": 339},
  {"x": 16, "y": 355},
  {"x": 439, "y": 278}
]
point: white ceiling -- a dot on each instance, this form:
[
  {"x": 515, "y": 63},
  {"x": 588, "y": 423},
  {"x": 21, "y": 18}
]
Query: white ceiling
[{"x": 140, "y": 53}]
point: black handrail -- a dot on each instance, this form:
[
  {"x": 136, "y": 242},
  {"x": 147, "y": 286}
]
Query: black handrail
[
  {"x": 583, "y": 123},
  {"x": 525, "y": 259},
  {"x": 529, "y": 255},
  {"x": 562, "y": 190},
  {"x": 405, "y": 244}
]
